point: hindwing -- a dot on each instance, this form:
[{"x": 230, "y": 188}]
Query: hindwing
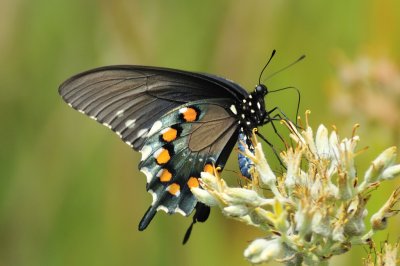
[{"x": 183, "y": 143}]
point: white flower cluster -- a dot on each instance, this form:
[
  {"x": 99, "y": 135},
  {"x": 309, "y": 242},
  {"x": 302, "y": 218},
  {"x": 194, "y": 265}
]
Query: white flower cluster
[{"x": 316, "y": 209}]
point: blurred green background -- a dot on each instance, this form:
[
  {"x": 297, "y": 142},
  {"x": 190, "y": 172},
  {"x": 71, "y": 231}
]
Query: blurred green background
[{"x": 70, "y": 191}]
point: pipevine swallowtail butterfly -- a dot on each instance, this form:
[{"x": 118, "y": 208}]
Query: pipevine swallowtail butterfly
[{"x": 181, "y": 122}]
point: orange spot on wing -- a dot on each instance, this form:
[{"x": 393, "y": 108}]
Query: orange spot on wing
[
  {"x": 165, "y": 175},
  {"x": 190, "y": 115},
  {"x": 193, "y": 182},
  {"x": 163, "y": 157},
  {"x": 174, "y": 189},
  {"x": 208, "y": 168},
  {"x": 169, "y": 135}
]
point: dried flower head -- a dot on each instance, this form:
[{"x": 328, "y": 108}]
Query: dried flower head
[{"x": 318, "y": 205}]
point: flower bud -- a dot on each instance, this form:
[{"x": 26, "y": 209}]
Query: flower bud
[
  {"x": 262, "y": 250},
  {"x": 204, "y": 196},
  {"x": 391, "y": 172},
  {"x": 242, "y": 196},
  {"x": 322, "y": 142},
  {"x": 209, "y": 179},
  {"x": 385, "y": 159},
  {"x": 236, "y": 210}
]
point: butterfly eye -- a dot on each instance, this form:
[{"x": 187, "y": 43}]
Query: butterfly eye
[{"x": 261, "y": 89}]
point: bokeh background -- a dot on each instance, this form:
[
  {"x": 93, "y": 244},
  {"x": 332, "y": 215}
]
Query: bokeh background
[{"x": 70, "y": 191}]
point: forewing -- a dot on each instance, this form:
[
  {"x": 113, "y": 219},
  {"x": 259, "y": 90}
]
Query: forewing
[{"x": 130, "y": 99}]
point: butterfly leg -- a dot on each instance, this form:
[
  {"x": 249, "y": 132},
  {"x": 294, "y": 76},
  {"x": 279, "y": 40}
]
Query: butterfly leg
[
  {"x": 272, "y": 148},
  {"x": 270, "y": 118},
  {"x": 277, "y": 117}
]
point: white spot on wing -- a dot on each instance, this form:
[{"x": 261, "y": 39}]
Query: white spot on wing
[
  {"x": 142, "y": 132},
  {"x": 70, "y": 105},
  {"x": 183, "y": 110},
  {"x": 178, "y": 210},
  {"x": 119, "y": 113},
  {"x": 149, "y": 175},
  {"x": 165, "y": 130},
  {"x": 156, "y": 127},
  {"x": 162, "y": 208},
  {"x": 119, "y": 134},
  {"x": 157, "y": 153},
  {"x": 176, "y": 194},
  {"x": 252, "y": 111},
  {"x": 107, "y": 125},
  {"x": 258, "y": 105},
  {"x": 159, "y": 172},
  {"x": 233, "y": 109},
  {"x": 145, "y": 151},
  {"x": 130, "y": 123},
  {"x": 93, "y": 117},
  {"x": 154, "y": 195},
  {"x": 81, "y": 111},
  {"x": 130, "y": 144}
]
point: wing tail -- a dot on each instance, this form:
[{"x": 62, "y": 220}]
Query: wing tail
[{"x": 148, "y": 216}]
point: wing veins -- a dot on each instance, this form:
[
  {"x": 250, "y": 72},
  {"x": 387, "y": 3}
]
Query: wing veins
[
  {"x": 80, "y": 88},
  {"x": 216, "y": 139},
  {"x": 90, "y": 94}
]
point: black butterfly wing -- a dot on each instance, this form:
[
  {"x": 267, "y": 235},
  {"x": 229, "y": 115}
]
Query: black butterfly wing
[
  {"x": 145, "y": 104},
  {"x": 177, "y": 151},
  {"x": 129, "y": 99}
]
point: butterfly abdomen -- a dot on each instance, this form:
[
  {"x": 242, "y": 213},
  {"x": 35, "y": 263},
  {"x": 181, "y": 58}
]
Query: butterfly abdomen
[{"x": 245, "y": 163}]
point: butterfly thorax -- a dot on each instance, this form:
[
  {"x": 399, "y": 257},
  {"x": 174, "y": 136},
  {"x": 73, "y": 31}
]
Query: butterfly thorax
[{"x": 251, "y": 111}]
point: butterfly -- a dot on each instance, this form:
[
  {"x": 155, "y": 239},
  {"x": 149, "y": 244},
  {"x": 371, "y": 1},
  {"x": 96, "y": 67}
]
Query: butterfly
[{"x": 182, "y": 123}]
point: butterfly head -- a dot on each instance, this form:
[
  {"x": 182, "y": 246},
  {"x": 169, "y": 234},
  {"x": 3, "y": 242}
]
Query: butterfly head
[{"x": 261, "y": 90}]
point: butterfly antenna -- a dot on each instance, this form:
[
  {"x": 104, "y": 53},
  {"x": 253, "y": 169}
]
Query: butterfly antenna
[
  {"x": 269, "y": 60},
  {"x": 286, "y": 67}
]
